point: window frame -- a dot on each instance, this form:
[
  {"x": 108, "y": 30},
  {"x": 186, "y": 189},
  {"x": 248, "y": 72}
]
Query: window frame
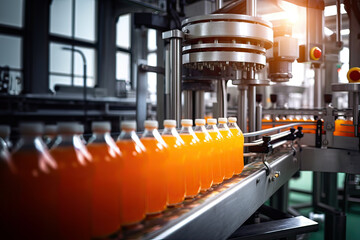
[
  {"x": 126, "y": 50},
  {"x": 75, "y": 42}
]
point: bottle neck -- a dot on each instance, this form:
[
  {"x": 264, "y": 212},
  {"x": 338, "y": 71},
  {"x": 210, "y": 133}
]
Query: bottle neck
[
  {"x": 200, "y": 128},
  {"x": 99, "y": 137},
  {"x": 233, "y": 125},
  {"x": 223, "y": 126},
  {"x": 153, "y": 133},
  {"x": 171, "y": 131},
  {"x": 130, "y": 134},
  {"x": 186, "y": 130},
  {"x": 212, "y": 127}
]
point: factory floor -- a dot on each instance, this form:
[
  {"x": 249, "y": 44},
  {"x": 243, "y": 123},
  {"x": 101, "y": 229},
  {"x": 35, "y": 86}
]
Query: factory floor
[{"x": 353, "y": 214}]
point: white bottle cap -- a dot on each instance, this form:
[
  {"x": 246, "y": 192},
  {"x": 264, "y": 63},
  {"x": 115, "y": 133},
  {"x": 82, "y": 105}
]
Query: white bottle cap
[
  {"x": 186, "y": 122},
  {"x": 212, "y": 121},
  {"x": 101, "y": 126},
  {"x": 80, "y": 128},
  {"x": 232, "y": 119},
  {"x": 4, "y": 131},
  {"x": 200, "y": 122},
  {"x": 169, "y": 123},
  {"x": 50, "y": 130},
  {"x": 222, "y": 120},
  {"x": 151, "y": 124},
  {"x": 129, "y": 125},
  {"x": 31, "y": 128},
  {"x": 68, "y": 127}
]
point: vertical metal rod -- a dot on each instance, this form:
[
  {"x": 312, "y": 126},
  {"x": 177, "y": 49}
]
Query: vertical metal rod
[
  {"x": 199, "y": 104},
  {"x": 188, "y": 104},
  {"x": 167, "y": 84},
  {"x": 317, "y": 88},
  {"x": 218, "y": 4},
  {"x": 175, "y": 79},
  {"x": 356, "y": 102},
  {"x": 258, "y": 117},
  {"x": 252, "y": 108},
  {"x": 251, "y": 7},
  {"x": 242, "y": 108},
  {"x": 338, "y": 22},
  {"x": 221, "y": 98}
]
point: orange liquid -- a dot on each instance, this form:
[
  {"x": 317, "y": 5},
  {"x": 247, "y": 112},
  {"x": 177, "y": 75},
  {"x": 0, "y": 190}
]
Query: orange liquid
[
  {"x": 238, "y": 141},
  {"x": 28, "y": 202},
  {"x": 344, "y": 128},
  {"x": 175, "y": 171},
  {"x": 105, "y": 205},
  {"x": 228, "y": 165},
  {"x": 205, "y": 149},
  {"x": 132, "y": 187},
  {"x": 75, "y": 192},
  {"x": 192, "y": 175},
  {"x": 218, "y": 176},
  {"x": 156, "y": 195}
]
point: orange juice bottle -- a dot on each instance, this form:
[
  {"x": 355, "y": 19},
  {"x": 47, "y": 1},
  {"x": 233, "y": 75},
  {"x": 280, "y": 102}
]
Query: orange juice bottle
[
  {"x": 133, "y": 175},
  {"x": 156, "y": 148},
  {"x": 192, "y": 175},
  {"x": 175, "y": 164},
  {"x": 28, "y": 189},
  {"x": 206, "y": 154},
  {"x": 238, "y": 145},
  {"x": 4, "y": 144},
  {"x": 106, "y": 180},
  {"x": 218, "y": 175},
  {"x": 228, "y": 166},
  {"x": 75, "y": 173}
]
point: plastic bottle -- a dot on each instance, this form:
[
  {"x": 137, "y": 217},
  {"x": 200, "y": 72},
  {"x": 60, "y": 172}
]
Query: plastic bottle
[
  {"x": 4, "y": 146},
  {"x": 107, "y": 157},
  {"x": 175, "y": 164},
  {"x": 50, "y": 133},
  {"x": 238, "y": 145},
  {"x": 75, "y": 174},
  {"x": 28, "y": 189},
  {"x": 132, "y": 191},
  {"x": 218, "y": 175},
  {"x": 206, "y": 154},
  {"x": 5, "y": 135},
  {"x": 156, "y": 184},
  {"x": 228, "y": 166},
  {"x": 80, "y": 132},
  {"x": 192, "y": 143}
]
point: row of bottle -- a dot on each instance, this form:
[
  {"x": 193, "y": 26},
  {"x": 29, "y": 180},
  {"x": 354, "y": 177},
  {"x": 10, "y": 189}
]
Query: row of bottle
[
  {"x": 73, "y": 191},
  {"x": 268, "y": 122},
  {"x": 343, "y": 126}
]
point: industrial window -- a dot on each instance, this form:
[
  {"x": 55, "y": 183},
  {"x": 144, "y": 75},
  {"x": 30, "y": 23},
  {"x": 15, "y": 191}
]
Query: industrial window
[
  {"x": 11, "y": 41},
  {"x": 123, "y": 46},
  {"x": 72, "y": 25}
]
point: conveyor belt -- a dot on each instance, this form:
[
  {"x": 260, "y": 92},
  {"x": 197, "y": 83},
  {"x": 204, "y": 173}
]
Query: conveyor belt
[{"x": 218, "y": 213}]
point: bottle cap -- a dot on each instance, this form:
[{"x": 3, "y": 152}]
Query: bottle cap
[
  {"x": 169, "y": 123},
  {"x": 222, "y": 120},
  {"x": 200, "y": 122},
  {"x": 31, "y": 128},
  {"x": 130, "y": 125},
  {"x": 232, "y": 119},
  {"x": 212, "y": 121},
  {"x": 151, "y": 124},
  {"x": 80, "y": 128},
  {"x": 50, "y": 130},
  {"x": 68, "y": 127},
  {"x": 4, "y": 131},
  {"x": 101, "y": 126},
  {"x": 186, "y": 122}
]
